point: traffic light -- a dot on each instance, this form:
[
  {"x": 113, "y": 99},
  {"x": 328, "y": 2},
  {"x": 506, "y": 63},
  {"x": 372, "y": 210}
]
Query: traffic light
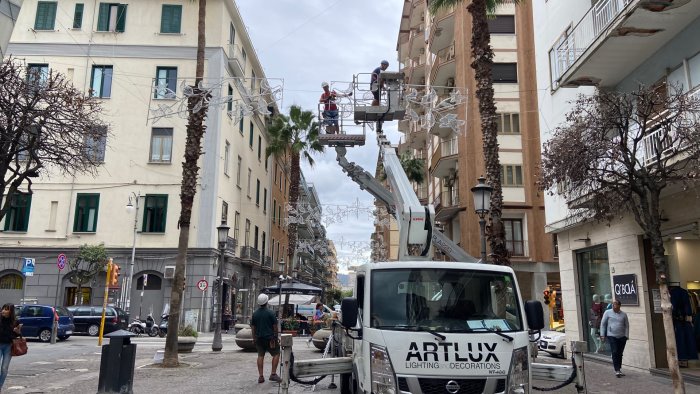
[
  {"x": 546, "y": 297},
  {"x": 114, "y": 276}
]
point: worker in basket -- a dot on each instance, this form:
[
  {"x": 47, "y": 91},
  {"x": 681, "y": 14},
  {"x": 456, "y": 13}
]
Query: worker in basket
[{"x": 330, "y": 108}]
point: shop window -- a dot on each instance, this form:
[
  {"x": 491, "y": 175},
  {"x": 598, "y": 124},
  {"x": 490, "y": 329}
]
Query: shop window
[
  {"x": 11, "y": 282},
  {"x": 75, "y": 298},
  {"x": 596, "y": 294}
]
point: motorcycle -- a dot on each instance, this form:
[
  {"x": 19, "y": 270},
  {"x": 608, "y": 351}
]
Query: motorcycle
[
  {"x": 163, "y": 327},
  {"x": 149, "y": 327},
  {"x": 137, "y": 327}
]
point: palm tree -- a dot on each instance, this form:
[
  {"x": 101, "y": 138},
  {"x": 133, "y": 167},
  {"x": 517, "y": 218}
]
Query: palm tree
[
  {"x": 482, "y": 61},
  {"x": 413, "y": 167},
  {"x": 197, "y": 113},
  {"x": 296, "y": 135}
]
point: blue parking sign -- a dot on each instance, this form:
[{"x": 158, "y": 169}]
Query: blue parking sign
[{"x": 28, "y": 266}]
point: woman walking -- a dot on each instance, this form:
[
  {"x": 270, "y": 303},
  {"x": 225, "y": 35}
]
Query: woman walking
[{"x": 9, "y": 329}]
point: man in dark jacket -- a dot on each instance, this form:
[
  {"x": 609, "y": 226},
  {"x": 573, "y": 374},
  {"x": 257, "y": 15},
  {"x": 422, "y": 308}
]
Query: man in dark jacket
[{"x": 264, "y": 328}]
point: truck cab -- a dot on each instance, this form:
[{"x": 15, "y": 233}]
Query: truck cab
[{"x": 429, "y": 326}]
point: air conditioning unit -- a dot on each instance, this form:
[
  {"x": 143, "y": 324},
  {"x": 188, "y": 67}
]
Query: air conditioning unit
[{"x": 169, "y": 272}]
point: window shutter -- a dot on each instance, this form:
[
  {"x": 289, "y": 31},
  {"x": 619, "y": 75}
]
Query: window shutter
[
  {"x": 45, "y": 16},
  {"x": 121, "y": 18},
  {"x": 78, "y": 16},
  {"x": 505, "y": 72},
  {"x": 502, "y": 24},
  {"x": 176, "y": 19},
  {"x": 103, "y": 17}
]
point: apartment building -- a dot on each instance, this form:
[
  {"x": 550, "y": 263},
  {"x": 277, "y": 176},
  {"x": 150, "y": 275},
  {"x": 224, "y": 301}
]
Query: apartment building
[
  {"x": 436, "y": 54},
  {"x": 616, "y": 45},
  {"x": 9, "y": 10},
  {"x": 136, "y": 58}
]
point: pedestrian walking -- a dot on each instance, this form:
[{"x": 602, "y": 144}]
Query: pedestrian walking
[
  {"x": 615, "y": 327},
  {"x": 317, "y": 319},
  {"x": 9, "y": 329},
  {"x": 264, "y": 328},
  {"x": 228, "y": 318}
]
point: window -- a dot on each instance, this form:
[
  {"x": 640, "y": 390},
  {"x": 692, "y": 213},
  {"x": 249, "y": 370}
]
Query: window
[
  {"x": 17, "y": 218},
  {"x": 154, "y": 213},
  {"x": 101, "y": 81},
  {"x": 224, "y": 212},
  {"x": 279, "y": 215},
  {"x": 512, "y": 175},
  {"x": 250, "y": 181},
  {"x": 555, "y": 245},
  {"x": 265, "y": 200},
  {"x": 240, "y": 122},
  {"x": 231, "y": 34},
  {"x": 559, "y": 57},
  {"x": 244, "y": 56},
  {"x": 250, "y": 138},
  {"x": 37, "y": 74},
  {"x": 170, "y": 19},
  {"x": 508, "y": 123},
  {"x": 593, "y": 269},
  {"x": 257, "y": 192},
  {"x": 166, "y": 83},
  {"x": 78, "y": 16},
  {"x": 45, "y": 15},
  {"x": 161, "y": 145},
  {"x": 264, "y": 239},
  {"x": 252, "y": 81},
  {"x": 95, "y": 145},
  {"x": 502, "y": 24},
  {"x": 504, "y": 72},
  {"x": 227, "y": 154},
  {"x": 111, "y": 17},
  {"x": 236, "y": 224},
  {"x": 274, "y": 211},
  {"x": 259, "y": 147},
  {"x": 238, "y": 172},
  {"x": 247, "y": 232},
  {"x": 255, "y": 238},
  {"x": 514, "y": 236},
  {"x": 229, "y": 103},
  {"x": 275, "y": 173},
  {"x": 86, "y": 209}
]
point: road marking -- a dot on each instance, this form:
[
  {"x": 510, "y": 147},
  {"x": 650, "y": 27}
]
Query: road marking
[
  {"x": 43, "y": 362},
  {"x": 81, "y": 370},
  {"x": 71, "y": 360}
]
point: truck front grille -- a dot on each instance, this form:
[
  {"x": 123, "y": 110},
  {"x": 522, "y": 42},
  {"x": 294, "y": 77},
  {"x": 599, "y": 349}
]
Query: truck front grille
[{"x": 439, "y": 386}]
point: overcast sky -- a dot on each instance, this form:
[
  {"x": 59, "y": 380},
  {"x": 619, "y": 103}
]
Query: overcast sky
[{"x": 306, "y": 42}]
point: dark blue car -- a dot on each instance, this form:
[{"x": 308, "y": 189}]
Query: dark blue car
[{"x": 37, "y": 321}]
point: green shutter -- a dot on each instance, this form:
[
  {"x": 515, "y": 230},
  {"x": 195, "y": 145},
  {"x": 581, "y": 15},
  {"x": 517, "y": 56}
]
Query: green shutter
[
  {"x": 171, "y": 18},
  {"x": 103, "y": 17},
  {"x": 121, "y": 18},
  {"x": 45, "y": 15},
  {"x": 17, "y": 218},
  {"x": 78, "y": 16}
]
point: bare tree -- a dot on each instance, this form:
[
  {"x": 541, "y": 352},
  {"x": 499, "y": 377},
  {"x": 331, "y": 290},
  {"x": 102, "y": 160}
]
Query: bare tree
[
  {"x": 615, "y": 154},
  {"x": 46, "y": 126}
]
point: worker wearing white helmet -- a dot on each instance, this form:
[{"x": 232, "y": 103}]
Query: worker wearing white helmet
[
  {"x": 264, "y": 328},
  {"x": 374, "y": 85},
  {"x": 330, "y": 108}
]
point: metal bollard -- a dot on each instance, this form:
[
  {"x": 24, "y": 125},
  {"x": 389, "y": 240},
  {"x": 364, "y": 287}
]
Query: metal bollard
[
  {"x": 286, "y": 343},
  {"x": 577, "y": 349},
  {"x": 117, "y": 364}
]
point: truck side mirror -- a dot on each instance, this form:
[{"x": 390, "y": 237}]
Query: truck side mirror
[
  {"x": 534, "y": 315},
  {"x": 348, "y": 312}
]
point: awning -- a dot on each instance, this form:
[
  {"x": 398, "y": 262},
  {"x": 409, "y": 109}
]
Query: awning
[
  {"x": 293, "y": 288},
  {"x": 296, "y": 299}
]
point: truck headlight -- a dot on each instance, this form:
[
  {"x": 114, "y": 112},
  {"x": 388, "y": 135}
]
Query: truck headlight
[
  {"x": 519, "y": 376},
  {"x": 382, "y": 373}
]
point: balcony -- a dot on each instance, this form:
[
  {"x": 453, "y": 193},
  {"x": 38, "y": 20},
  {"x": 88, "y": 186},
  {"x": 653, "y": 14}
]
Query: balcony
[
  {"x": 444, "y": 159},
  {"x": 422, "y": 194},
  {"x": 614, "y": 38},
  {"x": 416, "y": 70},
  {"x": 416, "y": 44},
  {"x": 417, "y": 137},
  {"x": 250, "y": 255},
  {"x": 267, "y": 263},
  {"x": 444, "y": 66},
  {"x": 442, "y": 130},
  {"x": 446, "y": 205},
  {"x": 442, "y": 32},
  {"x": 236, "y": 61},
  {"x": 231, "y": 245}
]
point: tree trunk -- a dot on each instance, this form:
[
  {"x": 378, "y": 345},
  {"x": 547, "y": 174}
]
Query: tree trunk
[
  {"x": 294, "y": 180},
  {"x": 188, "y": 189},
  {"x": 482, "y": 56},
  {"x": 660, "y": 264}
]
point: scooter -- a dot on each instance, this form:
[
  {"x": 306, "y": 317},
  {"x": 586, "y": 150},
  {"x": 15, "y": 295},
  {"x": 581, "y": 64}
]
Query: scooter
[
  {"x": 163, "y": 327},
  {"x": 151, "y": 327},
  {"x": 137, "y": 327}
]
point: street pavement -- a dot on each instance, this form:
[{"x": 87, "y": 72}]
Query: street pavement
[{"x": 73, "y": 367}]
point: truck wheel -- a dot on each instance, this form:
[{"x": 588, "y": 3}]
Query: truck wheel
[{"x": 345, "y": 381}]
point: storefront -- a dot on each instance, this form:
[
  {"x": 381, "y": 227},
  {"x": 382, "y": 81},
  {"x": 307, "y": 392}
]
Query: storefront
[{"x": 596, "y": 294}]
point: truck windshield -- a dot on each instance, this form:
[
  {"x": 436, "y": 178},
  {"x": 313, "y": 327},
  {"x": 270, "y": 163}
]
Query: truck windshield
[{"x": 444, "y": 300}]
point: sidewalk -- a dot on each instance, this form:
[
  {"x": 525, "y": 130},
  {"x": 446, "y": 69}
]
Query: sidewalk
[{"x": 234, "y": 371}]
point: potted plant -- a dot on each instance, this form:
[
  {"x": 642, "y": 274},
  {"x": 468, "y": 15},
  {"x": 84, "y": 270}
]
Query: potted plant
[
  {"x": 186, "y": 338},
  {"x": 290, "y": 326}
]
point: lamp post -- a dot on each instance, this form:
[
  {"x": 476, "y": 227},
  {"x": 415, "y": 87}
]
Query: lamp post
[
  {"x": 279, "y": 298},
  {"x": 222, "y": 231},
  {"x": 482, "y": 206},
  {"x": 132, "y": 205}
]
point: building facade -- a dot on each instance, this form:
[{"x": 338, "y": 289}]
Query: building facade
[
  {"x": 435, "y": 53},
  {"x": 136, "y": 58},
  {"x": 617, "y": 45},
  {"x": 9, "y": 11}
]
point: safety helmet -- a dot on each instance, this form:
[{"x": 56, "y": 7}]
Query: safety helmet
[
  {"x": 262, "y": 299},
  {"x": 385, "y": 62},
  {"x": 324, "y": 84}
]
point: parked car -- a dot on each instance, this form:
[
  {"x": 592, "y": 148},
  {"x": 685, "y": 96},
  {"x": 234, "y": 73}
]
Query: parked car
[
  {"x": 37, "y": 321},
  {"x": 553, "y": 342},
  {"x": 87, "y": 319}
]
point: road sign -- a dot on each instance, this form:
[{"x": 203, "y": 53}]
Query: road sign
[
  {"x": 202, "y": 285},
  {"x": 28, "y": 266},
  {"x": 61, "y": 261}
]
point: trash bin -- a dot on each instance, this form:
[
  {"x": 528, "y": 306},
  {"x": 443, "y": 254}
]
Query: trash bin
[{"x": 117, "y": 364}]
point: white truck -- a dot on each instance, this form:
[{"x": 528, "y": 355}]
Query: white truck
[{"x": 421, "y": 326}]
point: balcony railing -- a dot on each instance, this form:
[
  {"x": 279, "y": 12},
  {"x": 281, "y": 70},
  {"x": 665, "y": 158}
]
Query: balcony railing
[
  {"x": 443, "y": 56},
  {"x": 236, "y": 59},
  {"x": 449, "y": 147},
  {"x": 250, "y": 253},
  {"x": 575, "y": 44},
  {"x": 267, "y": 262},
  {"x": 449, "y": 198},
  {"x": 231, "y": 245}
]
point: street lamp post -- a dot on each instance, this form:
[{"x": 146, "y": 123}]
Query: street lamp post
[
  {"x": 482, "y": 206},
  {"x": 132, "y": 205},
  {"x": 222, "y": 231}
]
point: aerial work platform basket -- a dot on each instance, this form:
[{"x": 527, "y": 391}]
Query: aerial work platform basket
[
  {"x": 389, "y": 90},
  {"x": 336, "y": 127}
]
